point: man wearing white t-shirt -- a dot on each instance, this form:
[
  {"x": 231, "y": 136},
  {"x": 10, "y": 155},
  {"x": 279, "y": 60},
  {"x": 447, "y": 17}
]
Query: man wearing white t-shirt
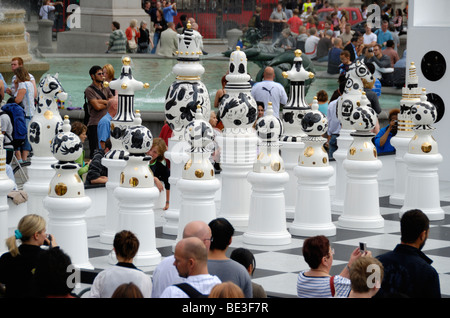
[
  {"x": 15, "y": 63},
  {"x": 370, "y": 38},
  {"x": 311, "y": 44}
]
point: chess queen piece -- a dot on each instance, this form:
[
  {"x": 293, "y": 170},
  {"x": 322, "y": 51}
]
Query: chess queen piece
[
  {"x": 313, "y": 172},
  {"x": 198, "y": 184},
  {"x": 422, "y": 160},
  {"x": 6, "y": 185},
  {"x": 267, "y": 217},
  {"x": 45, "y": 123},
  {"x": 66, "y": 200},
  {"x": 292, "y": 115},
  {"x": 361, "y": 204},
  {"x": 182, "y": 98},
  {"x": 354, "y": 86},
  {"x": 410, "y": 95},
  {"x": 136, "y": 194},
  {"x": 125, "y": 85},
  {"x": 237, "y": 110}
]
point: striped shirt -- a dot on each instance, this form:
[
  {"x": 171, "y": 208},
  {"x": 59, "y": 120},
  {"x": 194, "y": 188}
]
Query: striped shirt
[
  {"x": 203, "y": 283},
  {"x": 319, "y": 287}
]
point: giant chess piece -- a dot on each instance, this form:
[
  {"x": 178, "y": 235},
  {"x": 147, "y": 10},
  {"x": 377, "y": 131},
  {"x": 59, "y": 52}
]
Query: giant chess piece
[
  {"x": 422, "y": 160},
  {"x": 198, "y": 185},
  {"x": 410, "y": 95},
  {"x": 66, "y": 200},
  {"x": 44, "y": 125},
  {"x": 347, "y": 103},
  {"x": 238, "y": 143},
  {"x": 313, "y": 208},
  {"x": 6, "y": 185},
  {"x": 125, "y": 85},
  {"x": 267, "y": 217},
  {"x": 361, "y": 204},
  {"x": 136, "y": 194},
  {"x": 291, "y": 139},
  {"x": 183, "y": 97}
]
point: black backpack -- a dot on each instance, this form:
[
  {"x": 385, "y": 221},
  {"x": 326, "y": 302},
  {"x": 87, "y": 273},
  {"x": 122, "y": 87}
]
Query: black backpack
[{"x": 191, "y": 291}]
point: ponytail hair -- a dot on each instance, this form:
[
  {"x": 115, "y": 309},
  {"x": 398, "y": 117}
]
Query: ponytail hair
[{"x": 27, "y": 227}]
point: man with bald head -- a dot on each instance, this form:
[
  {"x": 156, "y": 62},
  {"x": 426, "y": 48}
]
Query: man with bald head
[
  {"x": 270, "y": 91},
  {"x": 166, "y": 274},
  {"x": 191, "y": 261}
]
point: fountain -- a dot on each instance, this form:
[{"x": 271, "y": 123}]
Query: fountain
[{"x": 12, "y": 37}]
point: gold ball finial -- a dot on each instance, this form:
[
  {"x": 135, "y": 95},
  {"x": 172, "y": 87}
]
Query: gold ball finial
[
  {"x": 105, "y": 84},
  {"x": 126, "y": 60},
  {"x": 238, "y": 48},
  {"x": 285, "y": 75},
  {"x": 146, "y": 85},
  {"x": 298, "y": 53},
  {"x": 188, "y": 25},
  {"x": 124, "y": 86},
  {"x": 311, "y": 75},
  {"x": 66, "y": 117}
]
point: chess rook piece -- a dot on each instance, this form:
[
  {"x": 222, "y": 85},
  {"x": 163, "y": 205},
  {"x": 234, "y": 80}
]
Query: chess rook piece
[
  {"x": 361, "y": 204},
  {"x": 422, "y": 160},
  {"x": 313, "y": 207},
  {"x": 267, "y": 217},
  {"x": 66, "y": 201}
]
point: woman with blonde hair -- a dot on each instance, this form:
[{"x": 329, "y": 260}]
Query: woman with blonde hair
[
  {"x": 133, "y": 35},
  {"x": 17, "y": 265}
]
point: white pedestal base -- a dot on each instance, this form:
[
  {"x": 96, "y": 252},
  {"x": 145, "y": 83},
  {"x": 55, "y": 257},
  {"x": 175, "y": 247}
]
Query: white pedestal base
[
  {"x": 344, "y": 142},
  {"x": 313, "y": 208},
  {"x": 115, "y": 167},
  {"x": 267, "y": 217},
  {"x": 361, "y": 205},
  {"x": 136, "y": 215},
  {"x": 198, "y": 202},
  {"x": 422, "y": 185},
  {"x": 68, "y": 225},
  {"x": 6, "y": 185},
  {"x": 401, "y": 148},
  {"x": 40, "y": 173},
  {"x": 290, "y": 152}
]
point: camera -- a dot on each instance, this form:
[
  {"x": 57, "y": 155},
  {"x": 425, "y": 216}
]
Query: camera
[
  {"x": 49, "y": 238},
  {"x": 362, "y": 247}
]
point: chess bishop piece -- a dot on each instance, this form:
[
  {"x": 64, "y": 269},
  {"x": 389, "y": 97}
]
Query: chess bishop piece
[
  {"x": 267, "y": 217},
  {"x": 183, "y": 97},
  {"x": 66, "y": 201},
  {"x": 198, "y": 185},
  {"x": 361, "y": 204},
  {"x": 422, "y": 160},
  {"x": 313, "y": 172},
  {"x": 291, "y": 139},
  {"x": 125, "y": 85},
  {"x": 136, "y": 194},
  {"x": 45, "y": 123},
  {"x": 237, "y": 110}
]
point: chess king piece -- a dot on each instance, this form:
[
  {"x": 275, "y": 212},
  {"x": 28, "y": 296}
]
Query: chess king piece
[
  {"x": 410, "y": 96},
  {"x": 354, "y": 87},
  {"x": 267, "y": 217},
  {"x": 198, "y": 185},
  {"x": 237, "y": 110},
  {"x": 136, "y": 194},
  {"x": 125, "y": 85},
  {"x": 182, "y": 99},
  {"x": 6, "y": 185},
  {"x": 45, "y": 123},
  {"x": 66, "y": 200},
  {"x": 422, "y": 160},
  {"x": 313, "y": 172},
  {"x": 291, "y": 140},
  {"x": 361, "y": 204}
]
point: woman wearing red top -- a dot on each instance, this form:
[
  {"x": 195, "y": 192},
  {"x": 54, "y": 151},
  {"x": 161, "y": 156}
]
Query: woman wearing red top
[{"x": 132, "y": 34}]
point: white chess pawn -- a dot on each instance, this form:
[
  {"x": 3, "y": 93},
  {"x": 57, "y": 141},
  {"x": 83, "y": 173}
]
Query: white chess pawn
[
  {"x": 313, "y": 207},
  {"x": 267, "y": 216},
  {"x": 66, "y": 202},
  {"x": 422, "y": 160}
]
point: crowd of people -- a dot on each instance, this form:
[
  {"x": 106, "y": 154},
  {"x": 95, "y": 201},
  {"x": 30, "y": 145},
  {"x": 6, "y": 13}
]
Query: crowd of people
[{"x": 203, "y": 267}]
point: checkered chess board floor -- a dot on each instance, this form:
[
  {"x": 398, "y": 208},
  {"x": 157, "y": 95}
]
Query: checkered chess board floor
[{"x": 277, "y": 267}]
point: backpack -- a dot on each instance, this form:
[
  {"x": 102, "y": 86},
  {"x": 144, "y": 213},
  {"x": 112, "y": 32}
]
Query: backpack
[
  {"x": 17, "y": 115},
  {"x": 191, "y": 291}
]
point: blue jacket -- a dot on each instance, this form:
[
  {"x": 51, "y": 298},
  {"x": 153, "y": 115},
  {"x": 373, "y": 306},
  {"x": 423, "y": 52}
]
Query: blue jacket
[{"x": 408, "y": 273}]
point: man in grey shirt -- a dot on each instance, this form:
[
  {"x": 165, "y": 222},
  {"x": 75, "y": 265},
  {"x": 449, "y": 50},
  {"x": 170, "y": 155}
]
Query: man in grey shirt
[{"x": 222, "y": 266}]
